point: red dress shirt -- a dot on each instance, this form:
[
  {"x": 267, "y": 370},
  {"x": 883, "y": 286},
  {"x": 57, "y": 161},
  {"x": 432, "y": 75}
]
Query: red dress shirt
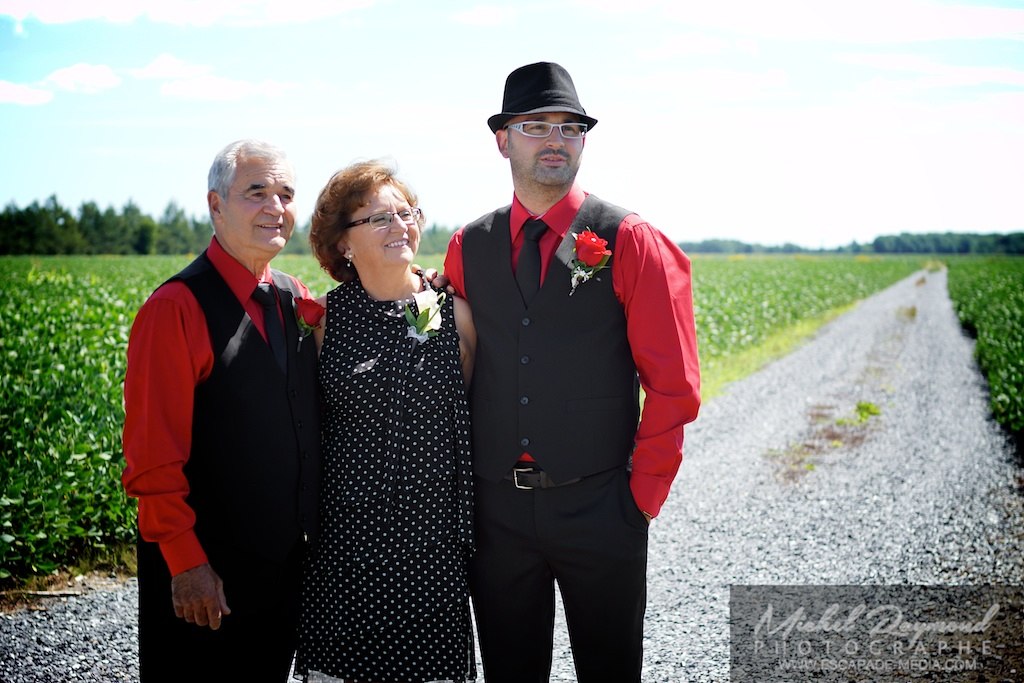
[
  {"x": 169, "y": 354},
  {"x": 651, "y": 279}
]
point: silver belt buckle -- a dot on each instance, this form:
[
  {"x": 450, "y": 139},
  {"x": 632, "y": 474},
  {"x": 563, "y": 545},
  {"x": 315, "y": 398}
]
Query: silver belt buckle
[{"x": 515, "y": 478}]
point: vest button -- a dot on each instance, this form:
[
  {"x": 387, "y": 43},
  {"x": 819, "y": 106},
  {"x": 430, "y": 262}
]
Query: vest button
[
  {"x": 524, "y": 360},
  {"x": 524, "y": 442},
  {"x": 526, "y": 322},
  {"x": 523, "y": 400}
]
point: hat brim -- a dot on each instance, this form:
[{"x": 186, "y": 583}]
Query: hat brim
[{"x": 498, "y": 121}]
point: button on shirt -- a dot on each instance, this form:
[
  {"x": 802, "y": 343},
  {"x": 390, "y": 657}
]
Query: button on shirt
[{"x": 659, "y": 325}]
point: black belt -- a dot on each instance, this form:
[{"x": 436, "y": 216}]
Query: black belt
[{"x": 527, "y": 476}]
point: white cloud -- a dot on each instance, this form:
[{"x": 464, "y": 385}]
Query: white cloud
[
  {"x": 696, "y": 44},
  {"x": 218, "y": 89},
  {"x": 16, "y": 93},
  {"x": 937, "y": 74},
  {"x": 249, "y": 13},
  {"x": 619, "y": 7},
  {"x": 726, "y": 85},
  {"x": 817, "y": 175},
  {"x": 84, "y": 78},
  {"x": 864, "y": 21},
  {"x": 486, "y": 15},
  {"x": 197, "y": 82},
  {"x": 180, "y": 12},
  {"x": 63, "y": 11},
  {"x": 683, "y": 89},
  {"x": 169, "y": 67}
]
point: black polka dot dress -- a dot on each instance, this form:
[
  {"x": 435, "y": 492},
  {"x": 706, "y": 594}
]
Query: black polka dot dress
[{"x": 385, "y": 596}]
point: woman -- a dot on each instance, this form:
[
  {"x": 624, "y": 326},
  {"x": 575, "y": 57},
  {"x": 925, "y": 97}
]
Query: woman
[{"x": 385, "y": 597}]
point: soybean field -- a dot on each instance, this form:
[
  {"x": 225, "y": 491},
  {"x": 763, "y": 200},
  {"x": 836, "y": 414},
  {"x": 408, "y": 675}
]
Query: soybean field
[
  {"x": 65, "y": 321},
  {"x": 988, "y": 296}
]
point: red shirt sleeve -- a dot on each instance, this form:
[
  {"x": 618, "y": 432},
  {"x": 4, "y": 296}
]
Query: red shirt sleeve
[
  {"x": 169, "y": 353},
  {"x": 303, "y": 290},
  {"x": 453, "y": 269},
  {"x": 651, "y": 278}
]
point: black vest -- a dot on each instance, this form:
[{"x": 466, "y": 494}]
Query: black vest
[
  {"x": 556, "y": 380},
  {"x": 254, "y": 466}
]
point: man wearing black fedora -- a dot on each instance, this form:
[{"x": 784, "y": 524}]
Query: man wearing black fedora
[{"x": 577, "y": 304}]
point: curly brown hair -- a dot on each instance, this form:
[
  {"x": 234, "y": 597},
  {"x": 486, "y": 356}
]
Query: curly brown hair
[{"x": 347, "y": 191}]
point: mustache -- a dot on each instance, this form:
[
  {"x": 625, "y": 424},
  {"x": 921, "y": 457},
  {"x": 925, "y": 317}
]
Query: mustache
[{"x": 560, "y": 152}]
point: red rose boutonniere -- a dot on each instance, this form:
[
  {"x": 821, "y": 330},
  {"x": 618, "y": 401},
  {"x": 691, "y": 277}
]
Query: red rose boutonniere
[
  {"x": 308, "y": 314},
  {"x": 591, "y": 256}
]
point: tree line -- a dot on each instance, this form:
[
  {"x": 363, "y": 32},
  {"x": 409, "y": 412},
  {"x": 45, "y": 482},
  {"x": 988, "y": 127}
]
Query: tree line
[
  {"x": 949, "y": 243},
  {"x": 48, "y": 228},
  {"x": 903, "y": 243}
]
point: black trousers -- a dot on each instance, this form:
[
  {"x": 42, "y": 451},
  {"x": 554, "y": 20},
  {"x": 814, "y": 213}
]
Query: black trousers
[
  {"x": 256, "y": 642},
  {"x": 590, "y": 538}
]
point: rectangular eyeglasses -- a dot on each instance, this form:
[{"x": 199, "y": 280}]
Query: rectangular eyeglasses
[
  {"x": 383, "y": 220},
  {"x": 542, "y": 129}
]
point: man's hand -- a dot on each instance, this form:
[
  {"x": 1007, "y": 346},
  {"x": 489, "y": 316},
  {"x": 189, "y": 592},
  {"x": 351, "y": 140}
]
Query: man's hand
[
  {"x": 198, "y": 597},
  {"x": 436, "y": 280}
]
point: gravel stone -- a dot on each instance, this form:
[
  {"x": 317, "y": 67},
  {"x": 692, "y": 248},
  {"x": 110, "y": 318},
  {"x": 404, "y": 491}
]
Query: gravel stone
[{"x": 782, "y": 483}]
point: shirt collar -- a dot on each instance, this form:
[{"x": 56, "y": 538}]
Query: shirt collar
[
  {"x": 239, "y": 279},
  {"x": 558, "y": 218}
]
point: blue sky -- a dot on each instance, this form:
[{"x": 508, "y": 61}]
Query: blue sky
[{"x": 809, "y": 121}]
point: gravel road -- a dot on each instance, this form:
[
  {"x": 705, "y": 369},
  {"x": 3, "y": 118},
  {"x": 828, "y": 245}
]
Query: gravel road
[{"x": 784, "y": 482}]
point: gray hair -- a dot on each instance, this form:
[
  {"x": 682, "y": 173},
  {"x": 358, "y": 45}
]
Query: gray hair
[{"x": 225, "y": 164}]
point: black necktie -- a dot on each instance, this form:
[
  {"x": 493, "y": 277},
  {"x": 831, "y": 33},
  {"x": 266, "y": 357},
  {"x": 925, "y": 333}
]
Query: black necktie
[
  {"x": 528, "y": 268},
  {"x": 264, "y": 295}
]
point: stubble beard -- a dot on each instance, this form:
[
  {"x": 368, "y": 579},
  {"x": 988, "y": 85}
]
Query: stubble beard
[{"x": 545, "y": 179}]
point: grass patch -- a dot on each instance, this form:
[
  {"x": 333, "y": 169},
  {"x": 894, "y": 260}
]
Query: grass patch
[
  {"x": 908, "y": 313},
  {"x": 866, "y": 410},
  {"x": 95, "y": 569},
  {"x": 723, "y": 371},
  {"x": 827, "y": 435}
]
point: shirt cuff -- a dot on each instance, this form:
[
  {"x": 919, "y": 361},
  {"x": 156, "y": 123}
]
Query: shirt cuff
[
  {"x": 183, "y": 553},
  {"x": 649, "y": 492}
]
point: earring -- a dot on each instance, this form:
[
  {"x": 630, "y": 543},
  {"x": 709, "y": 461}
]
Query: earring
[{"x": 348, "y": 258}]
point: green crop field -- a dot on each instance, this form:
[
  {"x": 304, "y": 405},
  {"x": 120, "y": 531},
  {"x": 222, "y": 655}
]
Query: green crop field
[
  {"x": 988, "y": 295},
  {"x": 64, "y": 324},
  {"x": 742, "y": 302}
]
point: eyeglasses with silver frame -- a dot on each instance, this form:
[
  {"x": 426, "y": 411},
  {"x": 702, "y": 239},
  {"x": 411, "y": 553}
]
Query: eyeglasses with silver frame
[
  {"x": 541, "y": 129},
  {"x": 383, "y": 220}
]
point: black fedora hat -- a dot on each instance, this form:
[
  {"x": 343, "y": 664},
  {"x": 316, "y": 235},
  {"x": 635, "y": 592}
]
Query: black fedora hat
[{"x": 537, "y": 88}]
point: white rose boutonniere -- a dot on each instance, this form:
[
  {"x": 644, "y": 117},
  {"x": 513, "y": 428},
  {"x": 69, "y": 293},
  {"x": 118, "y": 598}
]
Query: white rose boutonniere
[{"x": 425, "y": 325}]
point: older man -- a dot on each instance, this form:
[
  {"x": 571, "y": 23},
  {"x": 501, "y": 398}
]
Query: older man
[{"x": 221, "y": 440}]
